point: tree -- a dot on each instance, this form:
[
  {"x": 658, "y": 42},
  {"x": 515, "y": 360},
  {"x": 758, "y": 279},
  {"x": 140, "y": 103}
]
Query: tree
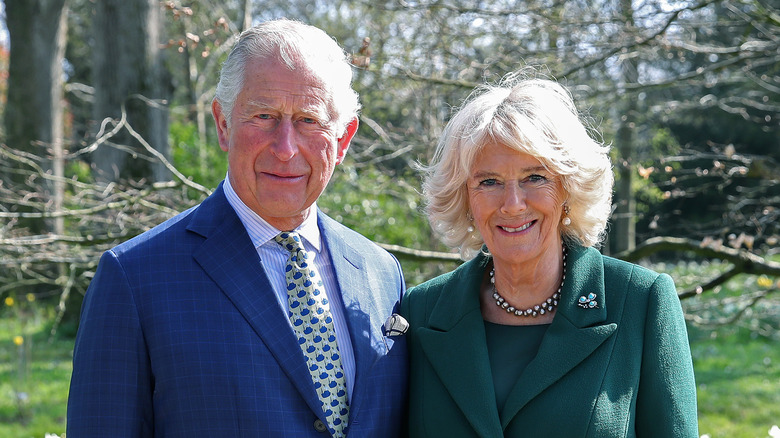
[
  {"x": 33, "y": 119},
  {"x": 130, "y": 82},
  {"x": 685, "y": 89},
  {"x": 624, "y": 216}
]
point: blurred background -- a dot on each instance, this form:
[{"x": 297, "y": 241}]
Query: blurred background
[{"x": 106, "y": 131}]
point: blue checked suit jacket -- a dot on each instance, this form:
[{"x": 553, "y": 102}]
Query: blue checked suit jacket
[{"x": 181, "y": 336}]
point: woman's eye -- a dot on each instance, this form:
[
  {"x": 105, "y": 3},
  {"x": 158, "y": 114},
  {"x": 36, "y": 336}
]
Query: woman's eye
[
  {"x": 488, "y": 182},
  {"x": 537, "y": 178}
]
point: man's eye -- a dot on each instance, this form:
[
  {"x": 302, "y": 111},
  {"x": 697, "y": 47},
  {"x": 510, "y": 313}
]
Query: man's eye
[
  {"x": 308, "y": 120},
  {"x": 264, "y": 116}
]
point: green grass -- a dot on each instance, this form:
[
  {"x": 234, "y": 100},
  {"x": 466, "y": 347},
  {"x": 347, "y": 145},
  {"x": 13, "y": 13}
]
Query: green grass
[
  {"x": 40, "y": 370},
  {"x": 738, "y": 381}
]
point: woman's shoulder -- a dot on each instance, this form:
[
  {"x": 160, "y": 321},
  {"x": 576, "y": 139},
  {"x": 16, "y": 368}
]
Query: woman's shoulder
[
  {"x": 635, "y": 273},
  {"x": 639, "y": 282}
]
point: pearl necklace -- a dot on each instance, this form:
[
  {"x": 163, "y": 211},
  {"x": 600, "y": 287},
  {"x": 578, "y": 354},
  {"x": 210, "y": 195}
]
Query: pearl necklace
[{"x": 540, "y": 309}]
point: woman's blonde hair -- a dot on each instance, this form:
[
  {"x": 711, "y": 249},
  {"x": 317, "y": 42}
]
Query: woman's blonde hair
[{"x": 533, "y": 116}]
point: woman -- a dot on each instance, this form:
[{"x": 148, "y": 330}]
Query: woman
[{"x": 538, "y": 334}]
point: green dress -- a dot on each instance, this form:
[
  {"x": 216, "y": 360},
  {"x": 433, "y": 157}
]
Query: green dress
[{"x": 510, "y": 349}]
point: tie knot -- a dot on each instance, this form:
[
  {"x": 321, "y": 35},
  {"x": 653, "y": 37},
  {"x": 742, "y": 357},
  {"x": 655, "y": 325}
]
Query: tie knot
[{"x": 291, "y": 241}]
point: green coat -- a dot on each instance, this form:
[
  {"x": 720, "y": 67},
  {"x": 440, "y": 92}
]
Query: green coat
[{"x": 622, "y": 369}]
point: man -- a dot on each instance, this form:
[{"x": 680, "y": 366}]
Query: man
[{"x": 189, "y": 329}]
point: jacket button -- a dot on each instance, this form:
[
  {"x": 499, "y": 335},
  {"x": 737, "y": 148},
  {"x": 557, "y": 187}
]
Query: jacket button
[{"x": 319, "y": 426}]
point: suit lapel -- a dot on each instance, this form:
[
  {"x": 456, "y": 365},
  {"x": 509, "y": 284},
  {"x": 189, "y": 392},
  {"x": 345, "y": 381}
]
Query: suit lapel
[
  {"x": 454, "y": 344},
  {"x": 229, "y": 258},
  {"x": 360, "y": 308},
  {"x": 573, "y": 336}
]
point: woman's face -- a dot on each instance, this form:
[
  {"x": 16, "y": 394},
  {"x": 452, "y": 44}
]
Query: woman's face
[{"x": 516, "y": 203}]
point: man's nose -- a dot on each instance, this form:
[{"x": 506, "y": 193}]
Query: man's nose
[{"x": 284, "y": 146}]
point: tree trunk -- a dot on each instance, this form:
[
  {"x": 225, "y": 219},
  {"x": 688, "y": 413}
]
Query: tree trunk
[
  {"x": 624, "y": 234},
  {"x": 129, "y": 75},
  {"x": 33, "y": 116}
]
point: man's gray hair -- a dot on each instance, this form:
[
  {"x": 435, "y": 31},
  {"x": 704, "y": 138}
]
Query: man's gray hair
[{"x": 294, "y": 44}]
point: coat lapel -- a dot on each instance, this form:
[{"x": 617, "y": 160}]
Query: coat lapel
[
  {"x": 229, "y": 258},
  {"x": 454, "y": 344},
  {"x": 574, "y": 334},
  {"x": 361, "y": 310}
]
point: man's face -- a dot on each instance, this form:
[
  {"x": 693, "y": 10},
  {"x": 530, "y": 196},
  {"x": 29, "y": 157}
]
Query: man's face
[{"x": 281, "y": 142}]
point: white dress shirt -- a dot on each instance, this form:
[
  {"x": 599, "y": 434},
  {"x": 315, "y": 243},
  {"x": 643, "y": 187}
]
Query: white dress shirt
[{"x": 274, "y": 259}]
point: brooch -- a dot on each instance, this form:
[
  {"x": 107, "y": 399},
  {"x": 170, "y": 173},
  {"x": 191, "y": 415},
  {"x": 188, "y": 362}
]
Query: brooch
[{"x": 588, "y": 302}]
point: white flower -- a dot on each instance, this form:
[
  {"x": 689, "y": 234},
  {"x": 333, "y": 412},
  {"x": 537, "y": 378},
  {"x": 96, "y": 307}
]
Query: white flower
[{"x": 774, "y": 432}]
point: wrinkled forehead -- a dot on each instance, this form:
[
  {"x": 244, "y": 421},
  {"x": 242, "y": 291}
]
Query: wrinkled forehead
[{"x": 282, "y": 86}]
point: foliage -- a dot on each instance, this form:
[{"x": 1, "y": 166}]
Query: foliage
[
  {"x": 385, "y": 208},
  {"x": 750, "y": 303},
  {"x": 205, "y": 164},
  {"x": 376, "y": 204},
  {"x": 728, "y": 194}
]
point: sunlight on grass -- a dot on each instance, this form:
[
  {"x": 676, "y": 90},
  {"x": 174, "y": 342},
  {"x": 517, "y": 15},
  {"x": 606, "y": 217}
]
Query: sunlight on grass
[
  {"x": 738, "y": 379},
  {"x": 34, "y": 378}
]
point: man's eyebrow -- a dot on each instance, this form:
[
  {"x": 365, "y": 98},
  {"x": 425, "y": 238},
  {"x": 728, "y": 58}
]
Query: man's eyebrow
[
  {"x": 312, "y": 108},
  {"x": 259, "y": 104}
]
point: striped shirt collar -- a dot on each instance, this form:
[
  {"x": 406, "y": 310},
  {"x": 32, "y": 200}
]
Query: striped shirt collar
[{"x": 260, "y": 231}]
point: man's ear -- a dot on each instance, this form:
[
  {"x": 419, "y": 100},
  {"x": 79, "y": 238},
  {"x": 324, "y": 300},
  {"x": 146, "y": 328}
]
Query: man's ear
[
  {"x": 343, "y": 142},
  {"x": 223, "y": 130}
]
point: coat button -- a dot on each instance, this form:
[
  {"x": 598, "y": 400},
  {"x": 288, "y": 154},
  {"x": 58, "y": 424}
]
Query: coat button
[{"x": 319, "y": 426}]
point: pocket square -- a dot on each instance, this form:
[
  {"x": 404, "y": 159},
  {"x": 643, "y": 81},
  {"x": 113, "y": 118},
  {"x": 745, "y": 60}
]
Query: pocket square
[{"x": 396, "y": 325}]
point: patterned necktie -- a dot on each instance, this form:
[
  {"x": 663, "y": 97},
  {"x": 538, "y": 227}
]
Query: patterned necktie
[{"x": 313, "y": 325}]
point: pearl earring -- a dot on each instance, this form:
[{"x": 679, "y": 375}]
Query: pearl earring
[
  {"x": 470, "y": 218},
  {"x": 566, "y": 219}
]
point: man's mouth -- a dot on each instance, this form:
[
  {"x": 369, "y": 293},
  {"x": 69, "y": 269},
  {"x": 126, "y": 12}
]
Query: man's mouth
[{"x": 283, "y": 175}]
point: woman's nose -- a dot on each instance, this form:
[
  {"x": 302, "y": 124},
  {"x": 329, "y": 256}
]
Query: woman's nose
[{"x": 514, "y": 199}]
